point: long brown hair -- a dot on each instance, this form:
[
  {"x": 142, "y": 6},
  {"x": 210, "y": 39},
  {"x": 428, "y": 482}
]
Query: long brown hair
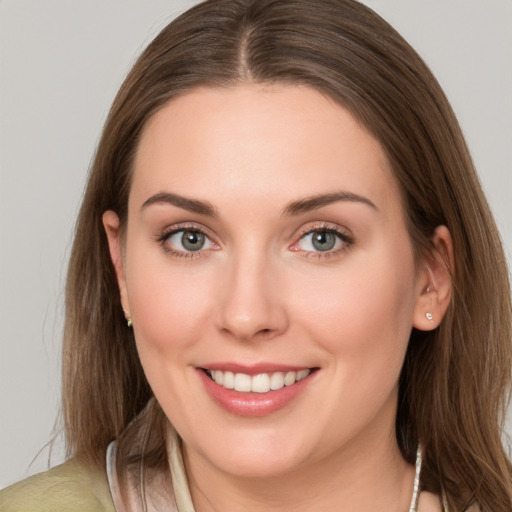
[{"x": 455, "y": 380}]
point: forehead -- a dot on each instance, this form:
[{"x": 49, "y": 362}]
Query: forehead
[{"x": 275, "y": 141}]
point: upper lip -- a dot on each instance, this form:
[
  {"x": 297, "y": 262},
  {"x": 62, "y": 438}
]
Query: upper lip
[{"x": 254, "y": 369}]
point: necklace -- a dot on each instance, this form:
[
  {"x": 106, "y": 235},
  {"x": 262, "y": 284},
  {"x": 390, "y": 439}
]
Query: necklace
[{"x": 415, "y": 494}]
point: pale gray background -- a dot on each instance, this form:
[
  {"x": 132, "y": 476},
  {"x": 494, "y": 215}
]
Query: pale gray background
[{"x": 61, "y": 62}]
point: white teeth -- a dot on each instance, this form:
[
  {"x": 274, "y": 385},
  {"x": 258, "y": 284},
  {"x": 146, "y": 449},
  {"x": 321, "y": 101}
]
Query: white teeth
[
  {"x": 261, "y": 383},
  {"x": 276, "y": 381},
  {"x": 228, "y": 380},
  {"x": 302, "y": 374},
  {"x": 289, "y": 378},
  {"x": 242, "y": 382},
  {"x": 218, "y": 377}
]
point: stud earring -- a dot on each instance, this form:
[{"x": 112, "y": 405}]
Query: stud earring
[
  {"x": 429, "y": 316},
  {"x": 129, "y": 322}
]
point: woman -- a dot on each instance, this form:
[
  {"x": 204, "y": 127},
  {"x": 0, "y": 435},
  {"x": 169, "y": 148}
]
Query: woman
[{"x": 283, "y": 252}]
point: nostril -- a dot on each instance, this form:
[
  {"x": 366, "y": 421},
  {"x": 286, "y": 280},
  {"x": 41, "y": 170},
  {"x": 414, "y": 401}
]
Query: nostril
[
  {"x": 248, "y": 322},
  {"x": 266, "y": 333}
]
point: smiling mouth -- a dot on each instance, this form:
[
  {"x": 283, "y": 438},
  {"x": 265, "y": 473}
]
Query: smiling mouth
[{"x": 260, "y": 383}]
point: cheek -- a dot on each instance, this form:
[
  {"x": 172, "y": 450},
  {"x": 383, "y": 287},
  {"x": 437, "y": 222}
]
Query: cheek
[
  {"x": 167, "y": 303},
  {"x": 363, "y": 318}
]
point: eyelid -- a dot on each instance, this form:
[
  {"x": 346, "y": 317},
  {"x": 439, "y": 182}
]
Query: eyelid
[
  {"x": 343, "y": 233},
  {"x": 163, "y": 236}
]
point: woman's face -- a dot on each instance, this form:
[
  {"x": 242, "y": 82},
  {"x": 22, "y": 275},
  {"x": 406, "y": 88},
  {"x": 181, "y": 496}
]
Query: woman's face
[{"x": 266, "y": 243}]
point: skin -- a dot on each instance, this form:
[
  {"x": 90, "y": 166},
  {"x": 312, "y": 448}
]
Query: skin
[{"x": 259, "y": 292}]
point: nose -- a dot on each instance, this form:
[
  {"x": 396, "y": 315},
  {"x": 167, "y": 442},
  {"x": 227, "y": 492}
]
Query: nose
[{"x": 252, "y": 304}]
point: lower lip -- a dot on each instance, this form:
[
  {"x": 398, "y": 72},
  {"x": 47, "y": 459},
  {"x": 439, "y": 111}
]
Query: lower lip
[{"x": 253, "y": 404}]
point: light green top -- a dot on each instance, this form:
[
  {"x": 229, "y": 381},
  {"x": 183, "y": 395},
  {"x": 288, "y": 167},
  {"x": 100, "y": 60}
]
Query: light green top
[
  {"x": 70, "y": 487},
  {"x": 73, "y": 487}
]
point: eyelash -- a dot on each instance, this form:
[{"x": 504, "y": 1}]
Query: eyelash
[
  {"x": 345, "y": 239},
  {"x": 163, "y": 238}
]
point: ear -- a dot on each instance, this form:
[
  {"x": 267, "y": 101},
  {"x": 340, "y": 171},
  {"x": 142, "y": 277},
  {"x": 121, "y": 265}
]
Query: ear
[
  {"x": 111, "y": 225},
  {"x": 434, "y": 282}
]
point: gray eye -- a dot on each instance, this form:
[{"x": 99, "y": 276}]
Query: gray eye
[
  {"x": 323, "y": 240},
  {"x": 189, "y": 240},
  {"x": 192, "y": 240}
]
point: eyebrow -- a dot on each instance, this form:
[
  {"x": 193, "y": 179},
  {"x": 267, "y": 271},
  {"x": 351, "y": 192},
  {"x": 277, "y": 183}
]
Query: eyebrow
[
  {"x": 192, "y": 205},
  {"x": 314, "y": 202},
  {"x": 298, "y": 207}
]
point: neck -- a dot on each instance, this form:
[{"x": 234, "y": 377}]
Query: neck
[{"x": 366, "y": 476}]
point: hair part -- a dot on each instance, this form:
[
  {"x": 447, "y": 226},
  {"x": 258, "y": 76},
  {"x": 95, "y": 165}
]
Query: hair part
[{"x": 455, "y": 380}]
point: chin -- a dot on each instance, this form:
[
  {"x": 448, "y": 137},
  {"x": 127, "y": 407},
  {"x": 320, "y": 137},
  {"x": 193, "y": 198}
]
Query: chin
[
  {"x": 260, "y": 457},
  {"x": 258, "y": 465}
]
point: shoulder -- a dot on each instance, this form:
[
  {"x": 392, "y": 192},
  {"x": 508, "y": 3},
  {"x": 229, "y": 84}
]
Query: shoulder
[{"x": 69, "y": 487}]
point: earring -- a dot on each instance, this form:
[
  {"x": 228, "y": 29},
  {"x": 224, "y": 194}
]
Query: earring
[
  {"x": 429, "y": 316},
  {"x": 129, "y": 322}
]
